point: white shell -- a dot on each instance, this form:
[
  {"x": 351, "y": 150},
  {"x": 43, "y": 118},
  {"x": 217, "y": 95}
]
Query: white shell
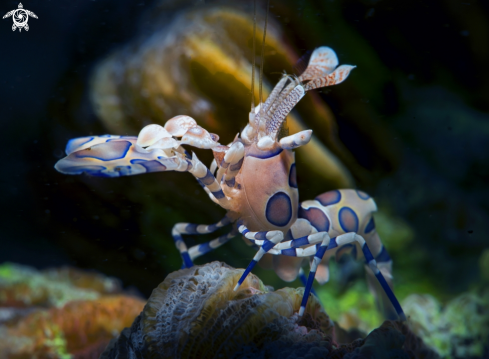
[{"x": 323, "y": 61}]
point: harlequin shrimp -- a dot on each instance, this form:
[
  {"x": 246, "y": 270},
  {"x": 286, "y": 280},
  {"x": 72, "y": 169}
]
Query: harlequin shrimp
[{"x": 254, "y": 180}]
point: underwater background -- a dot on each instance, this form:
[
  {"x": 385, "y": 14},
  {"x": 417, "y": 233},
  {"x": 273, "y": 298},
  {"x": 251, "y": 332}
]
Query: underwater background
[{"x": 410, "y": 126}]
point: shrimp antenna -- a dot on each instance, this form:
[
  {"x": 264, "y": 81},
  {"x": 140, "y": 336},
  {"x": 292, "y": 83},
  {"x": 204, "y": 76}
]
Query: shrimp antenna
[
  {"x": 262, "y": 54},
  {"x": 252, "y": 113}
]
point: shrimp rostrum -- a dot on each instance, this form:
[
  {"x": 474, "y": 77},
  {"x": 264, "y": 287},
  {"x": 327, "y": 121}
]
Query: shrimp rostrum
[{"x": 254, "y": 179}]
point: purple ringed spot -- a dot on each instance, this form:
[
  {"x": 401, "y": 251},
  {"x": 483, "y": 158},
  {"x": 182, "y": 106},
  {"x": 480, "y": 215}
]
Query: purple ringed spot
[
  {"x": 293, "y": 176},
  {"x": 329, "y": 198},
  {"x": 108, "y": 151},
  {"x": 279, "y": 209},
  {"x": 316, "y": 217},
  {"x": 348, "y": 220},
  {"x": 363, "y": 195}
]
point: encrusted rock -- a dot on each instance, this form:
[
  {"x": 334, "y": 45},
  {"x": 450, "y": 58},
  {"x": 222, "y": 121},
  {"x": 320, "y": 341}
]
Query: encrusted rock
[{"x": 195, "y": 313}]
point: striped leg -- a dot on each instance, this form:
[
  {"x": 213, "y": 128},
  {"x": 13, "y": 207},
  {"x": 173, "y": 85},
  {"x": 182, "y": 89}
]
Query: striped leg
[
  {"x": 208, "y": 182},
  {"x": 200, "y": 249},
  {"x": 369, "y": 259},
  {"x": 384, "y": 264},
  {"x": 303, "y": 279},
  {"x": 233, "y": 159},
  {"x": 190, "y": 228},
  {"x": 268, "y": 239}
]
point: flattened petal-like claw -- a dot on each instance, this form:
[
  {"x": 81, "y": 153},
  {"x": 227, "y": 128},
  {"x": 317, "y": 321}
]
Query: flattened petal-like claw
[
  {"x": 165, "y": 143},
  {"x": 323, "y": 61},
  {"x": 119, "y": 157},
  {"x": 199, "y": 137},
  {"x": 151, "y": 134},
  {"x": 179, "y": 125}
]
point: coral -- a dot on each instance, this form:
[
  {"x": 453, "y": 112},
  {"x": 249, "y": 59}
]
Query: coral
[
  {"x": 60, "y": 313},
  {"x": 22, "y": 286},
  {"x": 194, "y": 313},
  {"x": 77, "y": 327}
]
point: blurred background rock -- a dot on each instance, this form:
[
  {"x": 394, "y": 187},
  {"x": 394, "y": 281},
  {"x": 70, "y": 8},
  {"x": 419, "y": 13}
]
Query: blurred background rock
[{"x": 410, "y": 127}]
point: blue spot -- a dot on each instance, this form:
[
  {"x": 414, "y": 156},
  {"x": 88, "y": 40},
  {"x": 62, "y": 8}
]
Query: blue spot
[
  {"x": 329, "y": 198},
  {"x": 224, "y": 164},
  {"x": 279, "y": 209},
  {"x": 316, "y": 217},
  {"x": 383, "y": 256},
  {"x": 363, "y": 195},
  {"x": 370, "y": 226},
  {"x": 348, "y": 220},
  {"x": 110, "y": 151},
  {"x": 245, "y": 231},
  {"x": 237, "y": 165},
  {"x": 208, "y": 179},
  {"x": 293, "y": 176},
  {"x": 257, "y": 153},
  {"x": 76, "y": 142}
]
